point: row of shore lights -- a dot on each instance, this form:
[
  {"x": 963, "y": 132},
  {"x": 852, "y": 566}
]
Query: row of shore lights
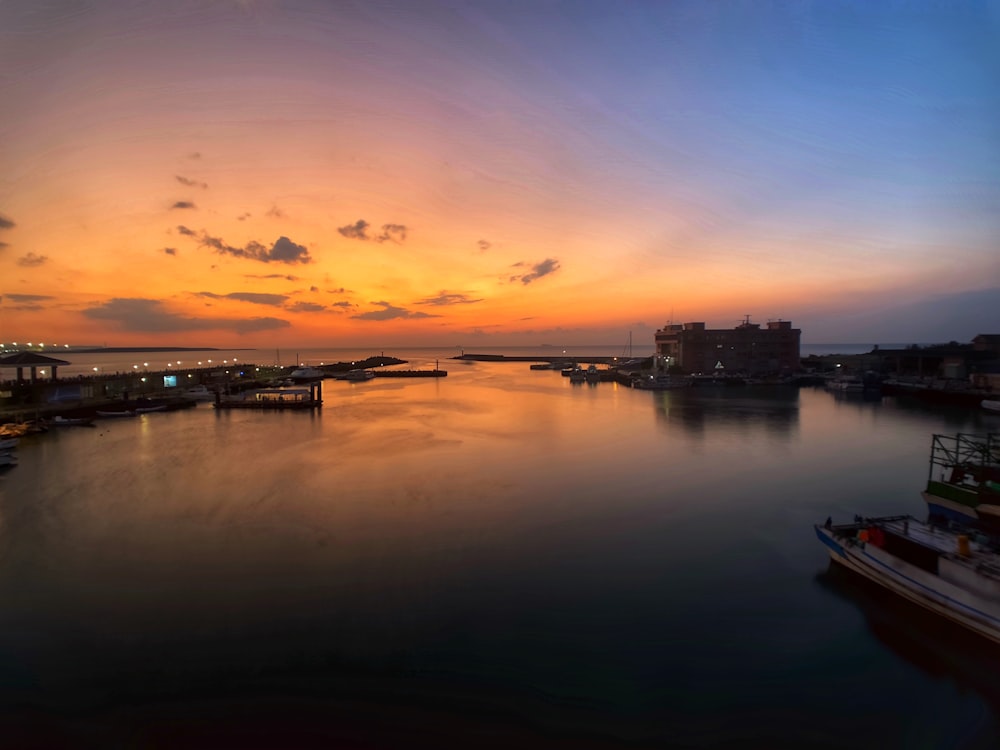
[{"x": 171, "y": 364}]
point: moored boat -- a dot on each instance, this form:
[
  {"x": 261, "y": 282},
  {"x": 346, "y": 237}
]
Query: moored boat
[
  {"x": 990, "y": 405},
  {"x": 72, "y": 421},
  {"x": 305, "y": 375},
  {"x": 357, "y": 375},
  {"x": 949, "y": 571},
  {"x": 119, "y": 413},
  {"x": 963, "y": 482},
  {"x": 8, "y": 444}
]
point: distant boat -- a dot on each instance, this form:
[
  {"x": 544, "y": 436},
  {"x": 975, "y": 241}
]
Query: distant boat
[
  {"x": 148, "y": 409},
  {"x": 357, "y": 375},
  {"x": 72, "y": 421},
  {"x": 305, "y": 374},
  {"x": 198, "y": 393},
  {"x": 120, "y": 413}
]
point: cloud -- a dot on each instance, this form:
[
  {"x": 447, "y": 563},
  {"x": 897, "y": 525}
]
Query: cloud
[
  {"x": 484, "y": 245},
  {"x": 342, "y": 303},
  {"x": 394, "y": 232},
  {"x": 6, "y": 223},
  {"x": 182, "y": 204},
  {"x": 170, "y": 250},
  {"x": 282, "y": 251},
  {"x": 30, "y": 260},
  {"x": 359, "y": 231},
  {"x": 277, "y": 213},
  {"x": 356, "y": 231},
  {"x": 243, "y": 217},
  {"x": 547, "y": 266},
  {"x": 190, "y": 182},
  {"x": 257, "y": 298},
  {"x": 137, "y": 315},
  {"x": 27, "y": 297},
  {"x": 449, "y": 298},
  {"x": 305, "y": 307},
  {"x": 285, "y": 276},
  {"x": 391, "y": 312}
]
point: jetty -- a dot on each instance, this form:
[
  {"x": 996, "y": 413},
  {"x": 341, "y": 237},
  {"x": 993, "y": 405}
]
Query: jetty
[{"x": 271, "y": 399}]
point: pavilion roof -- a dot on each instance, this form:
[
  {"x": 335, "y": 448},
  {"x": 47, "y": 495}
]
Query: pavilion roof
[{"x": 30, "y": 359}]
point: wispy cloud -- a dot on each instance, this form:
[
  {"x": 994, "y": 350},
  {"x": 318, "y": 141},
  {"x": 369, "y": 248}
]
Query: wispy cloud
[
  {"x": 28, "y": 297},
  {"x": 170, "y": 250},
  {"x": 282, "y": 251},
  {"x": 538, "y": 270},
  {"x": 30, "y": 260},
  {"x": 391, "y": 312},
  {"x": 257, "y": 298},
  {"x": 444, "y": 298},
  {"x": 305, "y": 307},
  {"x": 6, "y": 223},
  {"x": 277, "y": 213},
  {"x": 182, "y": 205},
  {"x": 484, "y": 245},
  {"x": 389, "y": 232},
  {"x": 138, "y": 315},
  {"x": 191, "y": 183},
  {"x": 285, "y": 276}
]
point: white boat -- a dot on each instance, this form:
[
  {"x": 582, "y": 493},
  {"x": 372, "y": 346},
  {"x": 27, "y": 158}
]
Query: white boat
[
  {"x": 990, "y": 405},
  {"x": 198, "y": 393},
  {"x": 358, "y": 375},
  {"x": 72, "y": 421},
  {"x": 305, "y": 374},
  {"x": 952, "y": 573}
]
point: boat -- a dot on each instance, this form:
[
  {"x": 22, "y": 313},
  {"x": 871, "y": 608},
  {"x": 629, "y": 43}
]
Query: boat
[
  {"x": 305, "y": 375},
  {"x": 357, "y": 375},
  {"x": 963, "y": 482},
  {"x": 660, "y": 383},
  {"x": 7, "y": 459},
  {"x": 577, "y": 375},
  {"x": 148, "y": 409},
  {"x": 8, "y": 444},
  {"x": 951, "y": 571},
  {"x": 198, "y": 393},
  {"x": 593, "y": 374},
  {"x": 120, "y": 413},
  {"x": 990, "y": 405},
  {"x": 73, "y": 421}
]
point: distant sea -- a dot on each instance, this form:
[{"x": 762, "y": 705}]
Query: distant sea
[{"x": 157, "y": 360}]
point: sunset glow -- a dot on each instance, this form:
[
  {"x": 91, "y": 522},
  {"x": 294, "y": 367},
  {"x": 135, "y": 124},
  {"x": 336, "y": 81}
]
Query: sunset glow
[{"x": 253, "y": 174}]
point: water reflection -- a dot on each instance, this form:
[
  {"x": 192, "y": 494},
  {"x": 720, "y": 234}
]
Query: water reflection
[
  {"x": 940, "y": 649},
  {"x": 732, "y": 412}
]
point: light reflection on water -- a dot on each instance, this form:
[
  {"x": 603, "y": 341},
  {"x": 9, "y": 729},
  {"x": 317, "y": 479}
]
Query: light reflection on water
[{"x": 494, "y": 549}]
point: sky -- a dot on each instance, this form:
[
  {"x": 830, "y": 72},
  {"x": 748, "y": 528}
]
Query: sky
[{"x": 235, "y": 173}]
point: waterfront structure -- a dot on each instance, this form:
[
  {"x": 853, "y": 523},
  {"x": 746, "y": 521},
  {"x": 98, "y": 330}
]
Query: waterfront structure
[{"x": 747, "y": 349}]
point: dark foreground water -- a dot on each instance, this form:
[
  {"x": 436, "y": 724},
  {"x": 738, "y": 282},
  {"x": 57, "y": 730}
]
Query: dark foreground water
[{"x": 494, "y": 559}]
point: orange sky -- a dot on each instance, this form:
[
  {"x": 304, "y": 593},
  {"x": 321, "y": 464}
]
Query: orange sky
[{"x": 241, "y": 174}]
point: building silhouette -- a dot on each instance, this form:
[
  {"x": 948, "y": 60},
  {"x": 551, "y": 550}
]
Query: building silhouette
[{"x": 747, "y": 349}]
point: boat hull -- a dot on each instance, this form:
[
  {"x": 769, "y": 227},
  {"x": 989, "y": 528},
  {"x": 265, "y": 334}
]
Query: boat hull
[{"x": 917, "y": 586}]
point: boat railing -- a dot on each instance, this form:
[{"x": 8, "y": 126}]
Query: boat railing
[{"x": 964, "y": 449}]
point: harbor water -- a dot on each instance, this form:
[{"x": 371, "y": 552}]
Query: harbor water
[{"x": 498, "y": 558}]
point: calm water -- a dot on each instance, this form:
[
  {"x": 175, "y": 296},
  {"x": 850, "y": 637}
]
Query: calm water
[{"x": 498, "y": 558}]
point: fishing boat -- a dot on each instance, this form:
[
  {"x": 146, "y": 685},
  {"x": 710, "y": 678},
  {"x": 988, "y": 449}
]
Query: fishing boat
[
  {"x": 73, "y": 421},
  {"x": 948, "y": 570},
  {"x": 963, "y": 482}
]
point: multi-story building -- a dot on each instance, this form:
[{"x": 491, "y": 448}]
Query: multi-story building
[{"x": 747, "y": 349}]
